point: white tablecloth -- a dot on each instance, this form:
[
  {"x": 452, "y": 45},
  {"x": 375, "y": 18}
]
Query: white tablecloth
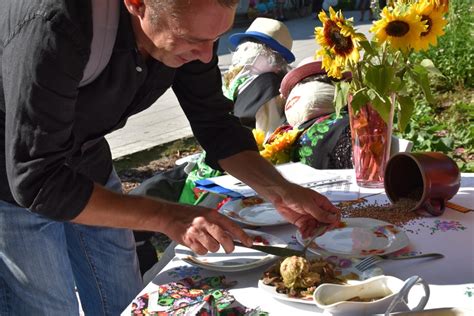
[{"x": 451, "y": 279}]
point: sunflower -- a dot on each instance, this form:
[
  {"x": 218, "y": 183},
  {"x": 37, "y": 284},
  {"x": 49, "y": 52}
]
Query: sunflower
[
  {"x": 435, "y": 22},
  {"x": 401, "y": 29},
  {"x": 277, "y": 148},
  {"x": 333, "y": 68},
  {"x": 259, "y": 136},
  {"x": 441, "y": 5},
  {"x": 338, "y": 39}
]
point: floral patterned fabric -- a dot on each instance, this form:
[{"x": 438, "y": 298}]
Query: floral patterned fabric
[
  {"x": 192, "y": 296},
  {"x": 325, "y": 144}
]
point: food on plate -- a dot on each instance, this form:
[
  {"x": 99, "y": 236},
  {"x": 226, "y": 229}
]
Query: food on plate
[
  {"x": 253, "y": 200},
  {"x": 295, "y": 272},
  {"x": 298, "y": 277}
]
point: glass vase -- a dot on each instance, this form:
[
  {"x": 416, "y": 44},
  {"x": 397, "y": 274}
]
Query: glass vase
[{"x": 371, "y": 137}]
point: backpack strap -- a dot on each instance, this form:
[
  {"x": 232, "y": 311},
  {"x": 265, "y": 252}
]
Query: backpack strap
[{"x": 105, "y": 17}]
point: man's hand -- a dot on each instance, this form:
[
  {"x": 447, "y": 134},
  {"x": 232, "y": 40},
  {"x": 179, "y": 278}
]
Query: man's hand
[
  {"x": 301, "y": 206},
  {"x": 198, "y": 228},
  {"x": 204, "y": 230},
  {"x": 306, "y": 209}
]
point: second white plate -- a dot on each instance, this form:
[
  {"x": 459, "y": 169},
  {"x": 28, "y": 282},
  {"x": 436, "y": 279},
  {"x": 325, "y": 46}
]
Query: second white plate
[
  {"x": 361, "y": 237},
  {"x": 240, "y": 260},
  {"x": 261, "y": 214}
]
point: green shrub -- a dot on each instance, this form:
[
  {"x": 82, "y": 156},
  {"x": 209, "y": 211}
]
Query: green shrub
[{"x": 447, "y": 127}]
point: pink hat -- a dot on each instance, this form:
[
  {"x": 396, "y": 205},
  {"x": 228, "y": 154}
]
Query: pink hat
[{"x": 307, "y": 67}]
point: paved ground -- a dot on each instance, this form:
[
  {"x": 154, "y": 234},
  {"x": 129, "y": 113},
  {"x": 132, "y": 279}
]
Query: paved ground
[{"x": 164, "y": 121}]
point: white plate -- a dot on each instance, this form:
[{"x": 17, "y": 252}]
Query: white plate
[
  {"x": 263, "y": 214},
  {"x": 371, "y": 272},
  {"x": 241, "y": 259},
  {"x": 361, "y": 237}
]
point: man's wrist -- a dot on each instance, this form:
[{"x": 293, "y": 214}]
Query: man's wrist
[{"x": 154, "y": 216}]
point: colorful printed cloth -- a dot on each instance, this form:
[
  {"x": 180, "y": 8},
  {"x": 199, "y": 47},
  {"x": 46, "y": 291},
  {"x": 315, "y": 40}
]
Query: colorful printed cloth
[{"x": 192, "y": 296}]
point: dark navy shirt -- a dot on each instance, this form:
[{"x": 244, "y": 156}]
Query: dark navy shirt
[{"x": 51, "y": 132}]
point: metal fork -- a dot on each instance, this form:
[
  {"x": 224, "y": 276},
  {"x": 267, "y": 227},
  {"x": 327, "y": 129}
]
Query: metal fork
[{"x": 368, "y": 262}]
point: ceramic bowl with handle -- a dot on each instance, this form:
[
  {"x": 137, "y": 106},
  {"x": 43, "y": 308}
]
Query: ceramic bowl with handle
[{"x": 372, "y": 296}]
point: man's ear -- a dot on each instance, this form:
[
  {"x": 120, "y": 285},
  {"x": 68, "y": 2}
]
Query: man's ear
[{"x": 135, "y": 7}]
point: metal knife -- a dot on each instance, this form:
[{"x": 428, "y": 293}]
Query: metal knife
[{"x": 277, "y": 251}]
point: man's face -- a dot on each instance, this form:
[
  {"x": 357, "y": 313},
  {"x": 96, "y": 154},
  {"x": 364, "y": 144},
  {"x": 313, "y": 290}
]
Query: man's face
[{"x": 186, "y": 37}]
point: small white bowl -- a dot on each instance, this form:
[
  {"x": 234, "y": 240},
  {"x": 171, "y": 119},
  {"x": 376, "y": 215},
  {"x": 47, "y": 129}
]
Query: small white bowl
[{"x": 332, "y": 298}]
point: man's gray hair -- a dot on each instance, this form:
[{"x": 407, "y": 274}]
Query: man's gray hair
[{"x": 176, "y": 7}]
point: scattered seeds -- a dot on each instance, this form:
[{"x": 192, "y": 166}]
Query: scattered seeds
[{"x": 398, "y": 214}]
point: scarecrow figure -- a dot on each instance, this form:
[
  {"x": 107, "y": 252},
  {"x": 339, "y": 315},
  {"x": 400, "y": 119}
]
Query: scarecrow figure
[
  {"x": 259, "y": 63},
  {"x": 325, "y": 141}
]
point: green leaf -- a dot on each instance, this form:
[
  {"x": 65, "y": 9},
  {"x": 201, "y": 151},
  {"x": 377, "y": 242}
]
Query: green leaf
[
  {"x": 420, "y": 75},
  {"x": 406, "y": 110},
  {"x": 367, "y": 47},
  {"x": 468, "y": 167},
  {"x": 397, "y": 84},
  {"x": 340, "y": 95},
  {"x": 430, "y": 67},
  {"x": 359, "y": 99},
  {"x": 439, "y": 144},
  {"x": 448, "y": 142},
  {"x": 380, "y": 78},
  {"x": 381, "y": 104}
]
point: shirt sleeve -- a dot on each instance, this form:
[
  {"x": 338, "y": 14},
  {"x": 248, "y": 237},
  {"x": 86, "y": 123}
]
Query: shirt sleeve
[
  {"x": 41, "y": 69},
  {"x": 198, "y": 87}
]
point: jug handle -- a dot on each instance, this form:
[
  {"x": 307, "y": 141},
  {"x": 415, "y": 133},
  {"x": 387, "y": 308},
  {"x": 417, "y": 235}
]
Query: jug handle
[
  {"x": 430, "y": 208},
  {"x": 402, "y": 296},
  {"x": 434, "y": 211}
]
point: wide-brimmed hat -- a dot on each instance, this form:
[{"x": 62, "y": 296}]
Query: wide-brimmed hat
[
  {"x": 271, "y": 32},
  {"x": 307, "y": 67}
]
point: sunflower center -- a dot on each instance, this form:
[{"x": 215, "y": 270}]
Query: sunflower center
[
  {"x": 429, "y": 23},
  {"x": 342, "y": 44},
  {"x": 397, "y": 28}
]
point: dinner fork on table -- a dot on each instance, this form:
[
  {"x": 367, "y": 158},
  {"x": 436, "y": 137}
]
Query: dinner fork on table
[{"x": 370, "y": 261}]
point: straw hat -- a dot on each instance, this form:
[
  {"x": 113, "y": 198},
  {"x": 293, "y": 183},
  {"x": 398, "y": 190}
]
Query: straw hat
[{"x": 271, "y": 32}]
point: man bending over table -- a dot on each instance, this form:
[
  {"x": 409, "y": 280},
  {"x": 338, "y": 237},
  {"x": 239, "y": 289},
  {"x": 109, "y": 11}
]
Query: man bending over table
[{"x": 62, "y": 221}]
